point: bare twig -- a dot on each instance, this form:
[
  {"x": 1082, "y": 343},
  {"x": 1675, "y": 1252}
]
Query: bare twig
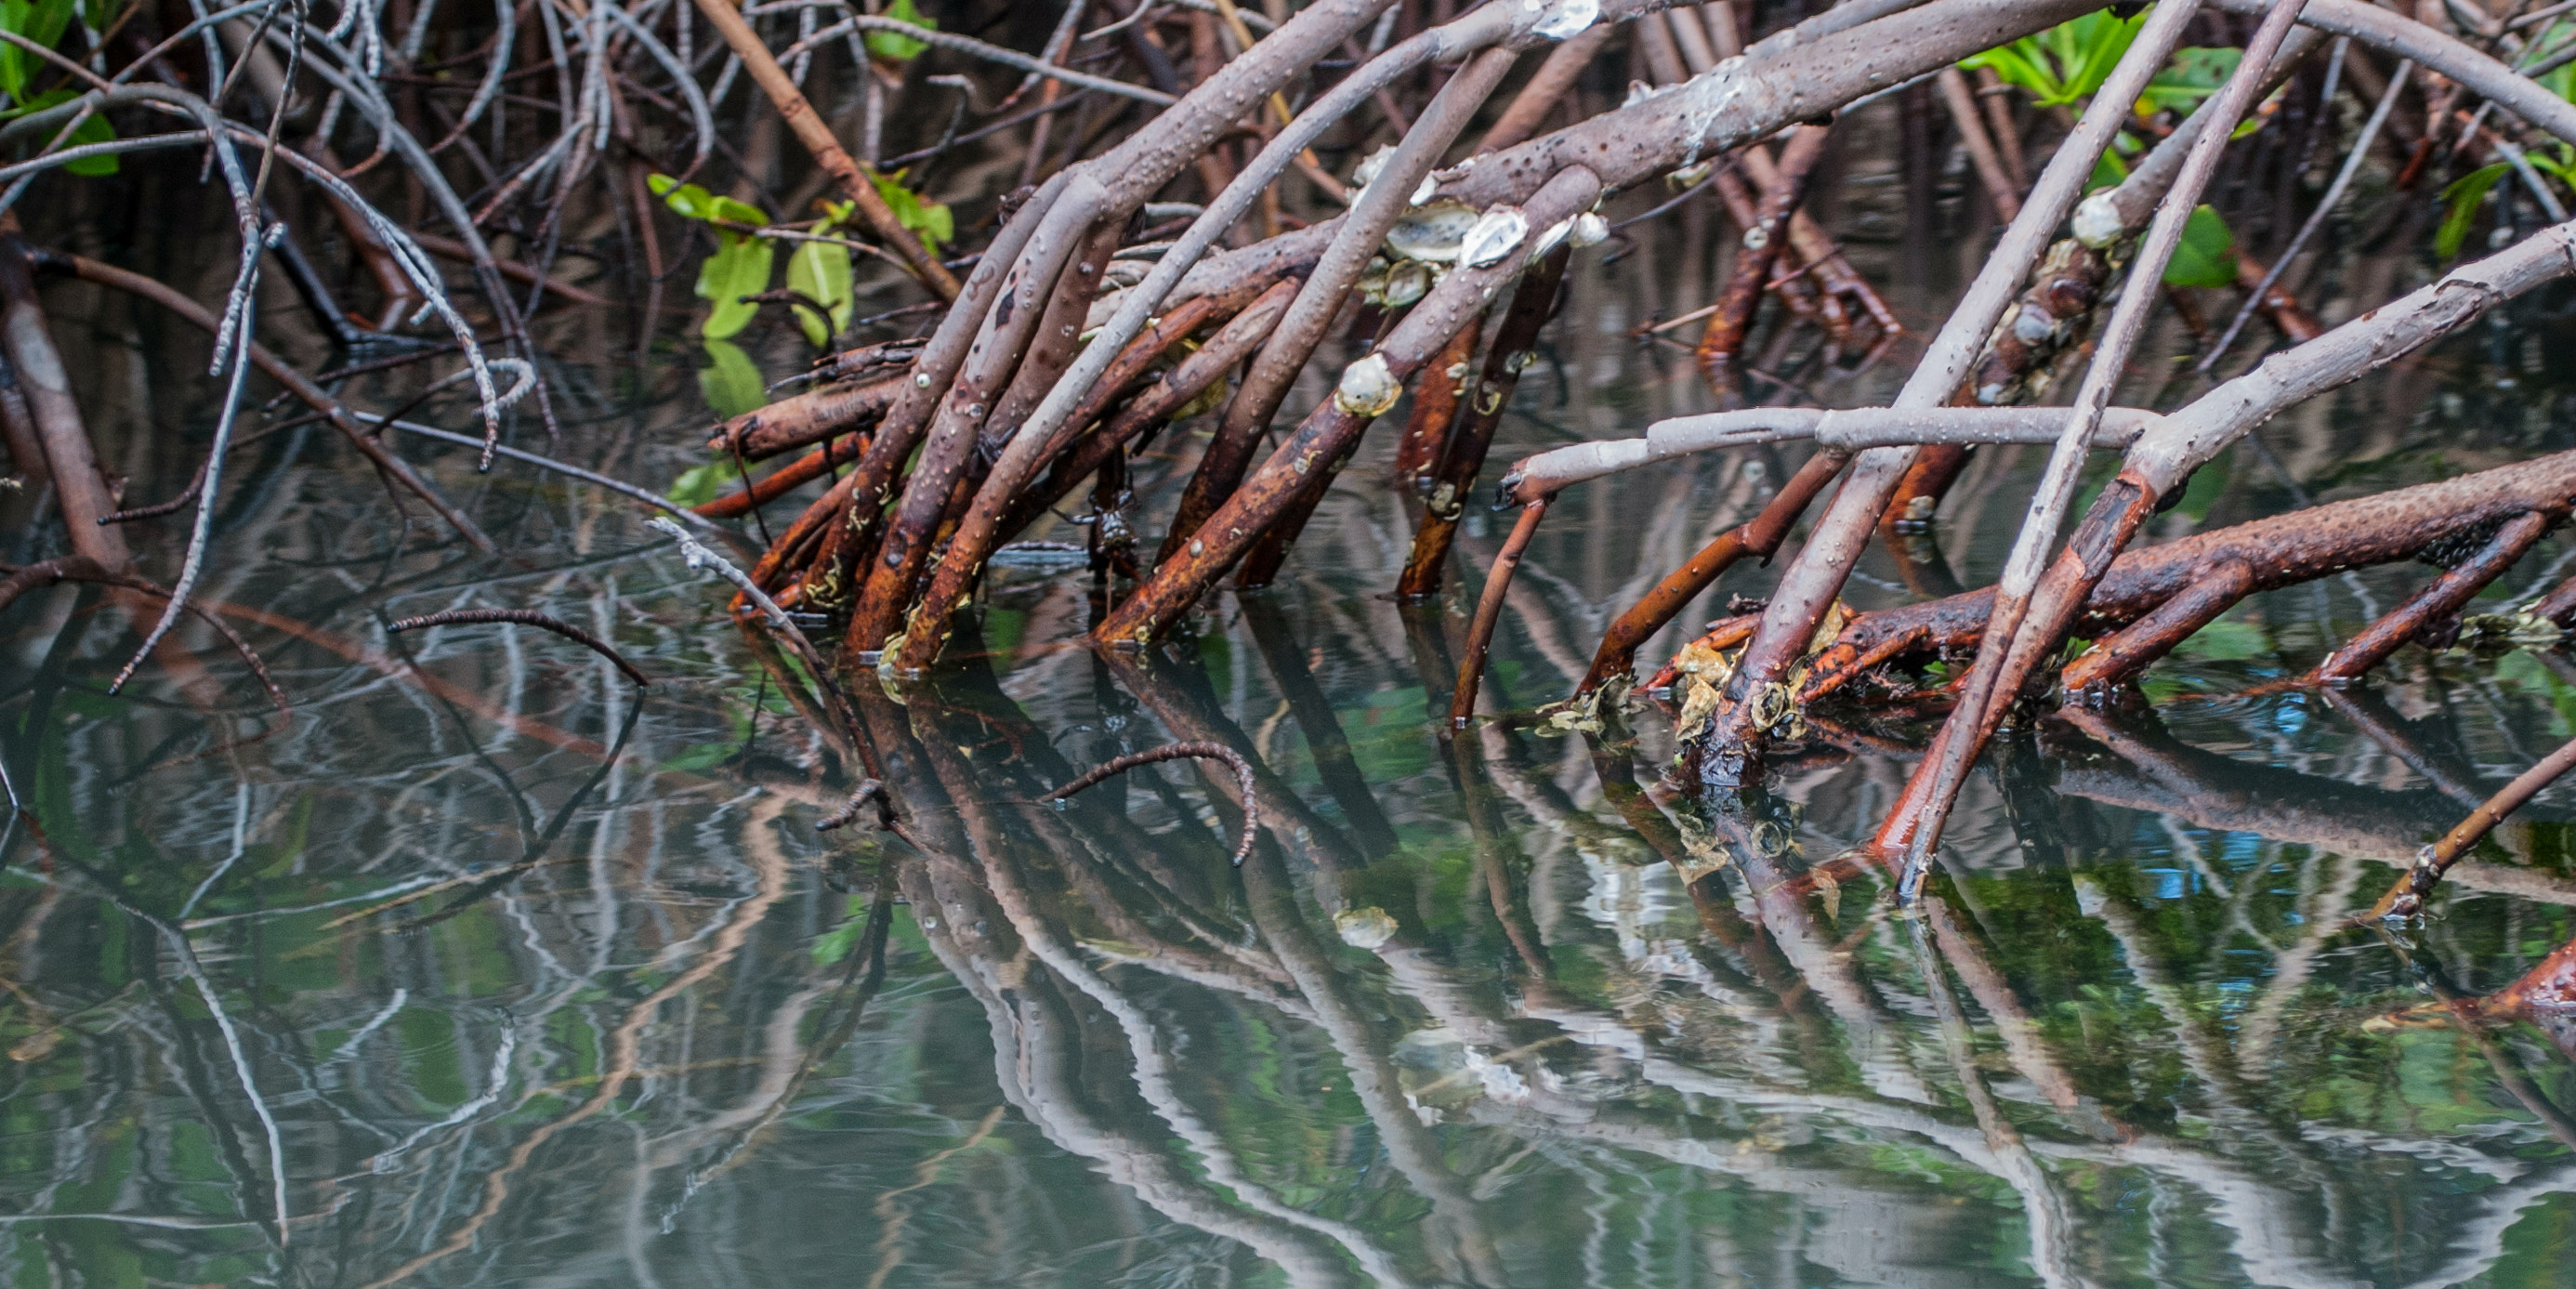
[
  {"x": 869, "y": 790},
  {"x": 855, "y": 181},
  {"x": 2316, "y": 219},
  {"x": 1173, "y": 752},
  {"x": 2406, "y": 898},
  {"x": 699, "y": 556},
  {"x": 525, "y": 618}
]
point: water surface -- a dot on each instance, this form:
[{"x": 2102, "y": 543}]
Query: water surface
[{"x": 490, "y": 968}]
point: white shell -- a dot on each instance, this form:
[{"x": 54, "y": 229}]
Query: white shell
[
  {"x": 1567, "y": 18},
  {"x": 1590, "y": 229},
  {"x": 1405, "y": 283},
  {"x": 1547, "y": 241},
  {"x": 1364, "y": 928},
  {"x": 2097, "y": 221},
  {"x": 1367, "y": 388},
  {"x": 1371, "y": 166},
  {"x": 1493, "y": 236},
  {"x": 1432, "y": 232}
]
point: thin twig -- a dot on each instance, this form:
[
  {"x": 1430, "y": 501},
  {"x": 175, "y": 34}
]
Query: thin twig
[
  {"x": 81, "y": 568},
  {"x": 1177, "y": 751},
  {"x": 698, "y": 556},
  {"x": 2406, "y": 898},
  {"x": 525, "y": 618},
  {"x": 194, "y": 562},
  {"x": 867, "y": 791},
  {"x": 2325, "y": 206},
  {"x": 994, "y": 54}
]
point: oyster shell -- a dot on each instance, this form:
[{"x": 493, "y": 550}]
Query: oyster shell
[
  {"x": 1564, "y": 18},
  {"x": 1367, "y": 388},
  {"x": 1547, "y": 241},
  {"x": 2097, "y": 221},
  {"x": 1405, "y": 283},
  {"x": 1432, "y": 232},
  {"x": 1369, "y": 168},
  {"x": 1493, "y": 236}
]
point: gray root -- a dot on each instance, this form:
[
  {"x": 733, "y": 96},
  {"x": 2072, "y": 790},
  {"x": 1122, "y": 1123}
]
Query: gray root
[{"x": 1846, "y": 429}]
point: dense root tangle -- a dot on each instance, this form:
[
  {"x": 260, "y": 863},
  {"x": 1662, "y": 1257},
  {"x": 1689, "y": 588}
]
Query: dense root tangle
[
  {"x": 1382, "y": 203},
  {"x": 1046, "y": 366}
]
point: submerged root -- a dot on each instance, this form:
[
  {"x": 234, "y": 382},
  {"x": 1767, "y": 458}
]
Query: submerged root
[{"x": 2150, "y": 600}]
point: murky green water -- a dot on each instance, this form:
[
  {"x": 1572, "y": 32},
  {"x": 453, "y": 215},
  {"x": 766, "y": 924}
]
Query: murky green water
[{"x": 491, "y": 969}]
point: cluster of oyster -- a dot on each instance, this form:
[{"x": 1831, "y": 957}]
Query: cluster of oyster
[
  {"x": 1435, "y": 236},
  {"x": 1431, "y": 238}
]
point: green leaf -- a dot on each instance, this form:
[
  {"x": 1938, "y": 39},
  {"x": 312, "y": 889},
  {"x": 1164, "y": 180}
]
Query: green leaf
[
  {"x": 741, "y": 263},
  {"x": 2194, "y": 74},
  {"x": 2100, "y": 38},
  {"x": 733, "y": 385},
  {"x": 740, "y": 212},
  {"x": 821, "y": 270},
  {"x": 2070, "y": 62},
  {"x": 2065, "y": 63},
  {"x": 94, "y": 130},
  {"x": 929, "y": 220},
  {"x": 41, "y": 22},
  {"x": 2016, "y": 64},
  {"x": 690, "y": 201},
  {"x": 2207, "y": 256},
  {"x": 699, "y": 485},
  {"x": 899, "y": 48},
  {"x": 13, "y": 60},
  {"x": 739, "y": 267},
  {"x": 2460, "y": 202},
  {"x": 47, "y": 21}
]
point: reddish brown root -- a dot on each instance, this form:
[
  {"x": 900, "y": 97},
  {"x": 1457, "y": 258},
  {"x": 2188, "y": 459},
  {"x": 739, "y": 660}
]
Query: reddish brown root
[
  {"x": 2441, "y": 600},
  {"x": 2198, "y": 574},
  {"x": 802, "y": 420},
  {"x": 786, "y": 479},
  {"x": 1451, "y": 475},
  {"x": 1757, "y": 537},
  {"x": 1489, "y": 611}
]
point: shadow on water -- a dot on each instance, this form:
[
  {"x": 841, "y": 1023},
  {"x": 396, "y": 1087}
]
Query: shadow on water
[{"x": 491, "y": 968}]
